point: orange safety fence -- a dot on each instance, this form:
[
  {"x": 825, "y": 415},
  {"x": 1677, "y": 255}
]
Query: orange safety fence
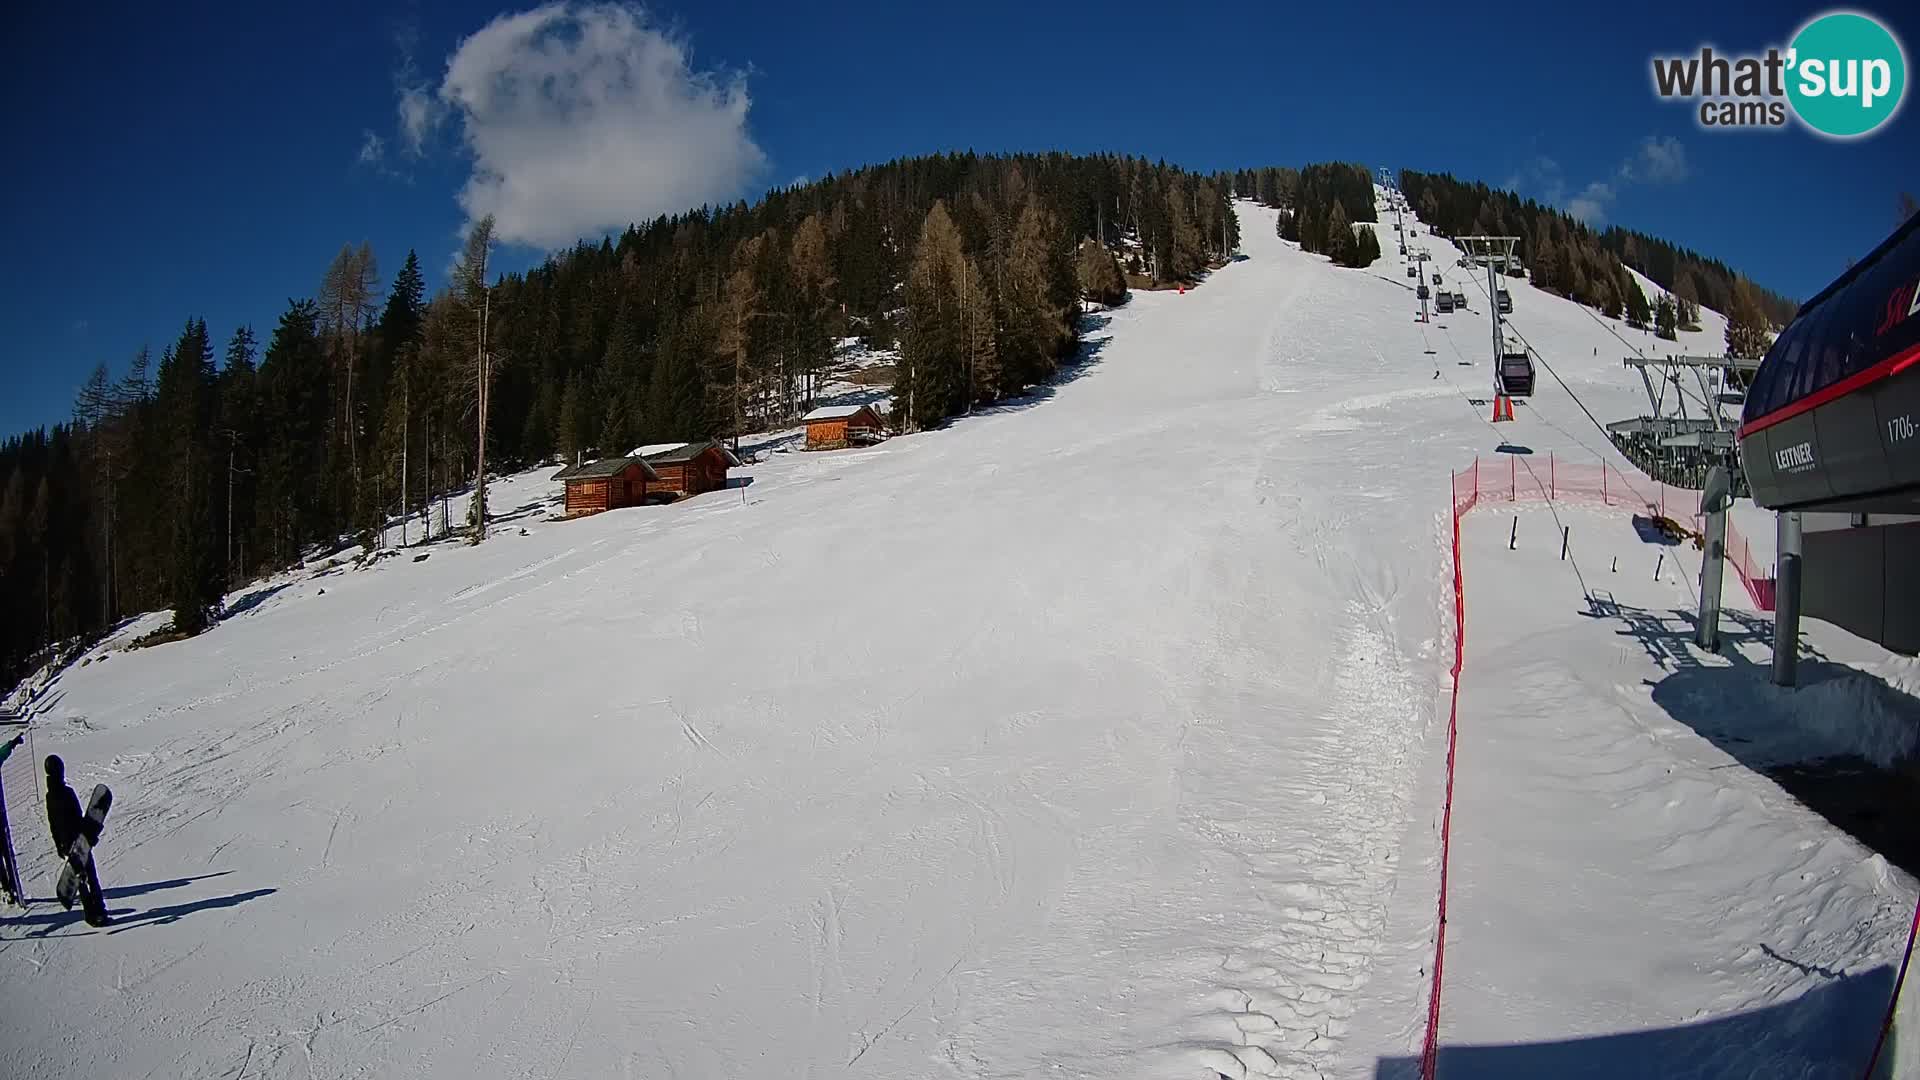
[
  {"x": 1513, "y": 480},
  {"x": 1517, "y": 479}
]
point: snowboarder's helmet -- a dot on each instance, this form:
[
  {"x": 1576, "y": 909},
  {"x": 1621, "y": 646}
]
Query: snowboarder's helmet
[{"x": 55, "y": 767}]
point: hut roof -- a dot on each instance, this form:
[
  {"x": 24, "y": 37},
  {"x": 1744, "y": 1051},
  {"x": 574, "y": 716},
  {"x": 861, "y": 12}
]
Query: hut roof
[
  {"x": 686, "y": 452},
  {"x": 605, "y": 467},
  {"x": 836, "y": 412}
]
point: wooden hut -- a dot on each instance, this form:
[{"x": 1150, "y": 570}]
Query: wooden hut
[
  {"x": 831, "y": 427},
  {"x": 690, "y": 468},
  {"x": 606, "y": 485}
]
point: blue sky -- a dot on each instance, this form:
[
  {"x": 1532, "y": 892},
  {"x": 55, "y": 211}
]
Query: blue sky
[{"x": 209, "y": 160}]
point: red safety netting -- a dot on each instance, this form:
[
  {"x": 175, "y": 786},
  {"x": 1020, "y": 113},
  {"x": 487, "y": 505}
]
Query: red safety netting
[
  {"x": 1519, "y": 478},
  {"x": 1514, "y": 479}
]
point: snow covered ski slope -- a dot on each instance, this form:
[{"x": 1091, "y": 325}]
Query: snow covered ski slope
[{"x": 1094, "y": 736}]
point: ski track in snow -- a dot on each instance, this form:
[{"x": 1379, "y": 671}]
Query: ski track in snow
[{"x": 1095, "y": 737}]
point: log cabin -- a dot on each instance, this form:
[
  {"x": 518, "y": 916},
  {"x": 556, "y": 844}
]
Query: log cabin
[
  {"x": 690, "y": 468},
  {"x": 606, "y": 485},
  {"x": 831, "y": 427}
]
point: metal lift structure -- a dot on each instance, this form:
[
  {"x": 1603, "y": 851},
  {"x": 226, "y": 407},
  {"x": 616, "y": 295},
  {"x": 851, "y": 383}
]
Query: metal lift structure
[
  {"x": 1692, "y": 422},
  {"x": 1513, "y": 374}
]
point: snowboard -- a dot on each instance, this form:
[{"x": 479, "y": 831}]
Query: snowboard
[{"x": 95, "y": 820}]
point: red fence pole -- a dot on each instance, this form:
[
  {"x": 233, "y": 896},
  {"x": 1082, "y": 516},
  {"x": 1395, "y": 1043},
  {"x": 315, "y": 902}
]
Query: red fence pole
[{"x": 1553, "y": 477}]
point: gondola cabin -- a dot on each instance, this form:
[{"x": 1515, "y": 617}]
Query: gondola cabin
[
  {"x": 688, "y": 468},
  {"x": 1513, "y": 371},
  {"x": 831, "y": 427},
  {"x": 1831, "y": 428},
  {"x": 605, "y": 485}
]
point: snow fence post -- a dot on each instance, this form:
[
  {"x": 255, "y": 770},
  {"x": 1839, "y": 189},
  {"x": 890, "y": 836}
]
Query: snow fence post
[
  {"x": 1553, "y": 478},
  {"x": 1513, "y": 478}
]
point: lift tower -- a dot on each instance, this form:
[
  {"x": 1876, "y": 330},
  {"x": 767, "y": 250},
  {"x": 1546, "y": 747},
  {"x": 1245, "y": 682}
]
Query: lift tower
[{"x": 1512, "y": 364}]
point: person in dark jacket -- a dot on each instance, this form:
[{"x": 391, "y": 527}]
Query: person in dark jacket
[{"x": 73, "y": 839}]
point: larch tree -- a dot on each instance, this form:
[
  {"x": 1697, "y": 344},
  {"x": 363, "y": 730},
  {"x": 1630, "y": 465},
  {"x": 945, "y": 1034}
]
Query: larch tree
[
  {"x": 347, "y": 294},
  {"x": 1748, "y": 335},
  {"x": 470, "y": 280},
  {"x": 933, "y": 353},
  {"x": 812, "y": 322},
  {"x": 1098, "y": 274}
]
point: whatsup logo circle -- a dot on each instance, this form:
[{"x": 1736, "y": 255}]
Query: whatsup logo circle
[{"x": 1846, "y": 74}]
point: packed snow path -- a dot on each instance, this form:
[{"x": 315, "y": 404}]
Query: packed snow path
[{"x": 1093, "y": 737}]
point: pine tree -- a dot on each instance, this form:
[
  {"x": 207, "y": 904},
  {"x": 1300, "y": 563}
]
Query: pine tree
[
  {"x": 239, "y": 431},
  {"x": 1665, "y": 318},
  {"x": 184, "y": 399},
  {"x": 1183, "y": 232},
  {"x": 1366, "y": 248},
  {"x": 1339, "y": 235},
  {"x": 1638, "y": 313},
  {"x": 568, "y": 441}
]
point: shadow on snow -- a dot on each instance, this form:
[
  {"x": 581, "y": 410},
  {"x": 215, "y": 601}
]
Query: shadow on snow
[
  {"x": 1737, "y": 708},
  {"x": 1828, "y": 1031}
]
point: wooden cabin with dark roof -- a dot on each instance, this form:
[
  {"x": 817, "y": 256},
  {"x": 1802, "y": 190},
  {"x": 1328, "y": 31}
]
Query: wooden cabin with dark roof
[
  {"x": 607, "y": 484},
  {"x": 689, "y": 468},
  {"x": 831, "y": 427}
]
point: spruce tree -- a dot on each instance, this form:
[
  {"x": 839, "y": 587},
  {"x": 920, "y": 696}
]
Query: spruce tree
[
  {"x": 1665, "y": 318},
  {"x": 1638, "y": 313},
  {"x": 184, "y": 400},
  {"x": 568, "y": 441},
  {"x": 1339, "y": 235}
]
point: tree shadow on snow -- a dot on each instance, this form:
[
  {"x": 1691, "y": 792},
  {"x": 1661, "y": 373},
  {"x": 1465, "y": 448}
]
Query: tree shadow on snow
[
  {"x": 254, "y": 599},
  {"x": 1832, "y": 1025},
  {"x": 1069, "y": 371},
  {"x": 1765, "y": 727}
]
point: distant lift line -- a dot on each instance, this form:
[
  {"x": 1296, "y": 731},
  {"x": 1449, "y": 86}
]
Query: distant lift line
[{"x": 1513, "y": 374}]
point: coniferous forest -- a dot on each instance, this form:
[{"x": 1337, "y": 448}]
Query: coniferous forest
[
  {"x": 1567, "y": 257},
  {"x": 227, "y": 453}
]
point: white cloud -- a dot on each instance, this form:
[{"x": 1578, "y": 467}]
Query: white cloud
[
  {"x": 1660, "y": 160},
  {"x": 420, "y": 112},
  {"x": 581, "y": 118},
  {"x": 1590, "y": 206},
  {"x": 373, "y": 148},
  {"x": 1540, "y": 178}
]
